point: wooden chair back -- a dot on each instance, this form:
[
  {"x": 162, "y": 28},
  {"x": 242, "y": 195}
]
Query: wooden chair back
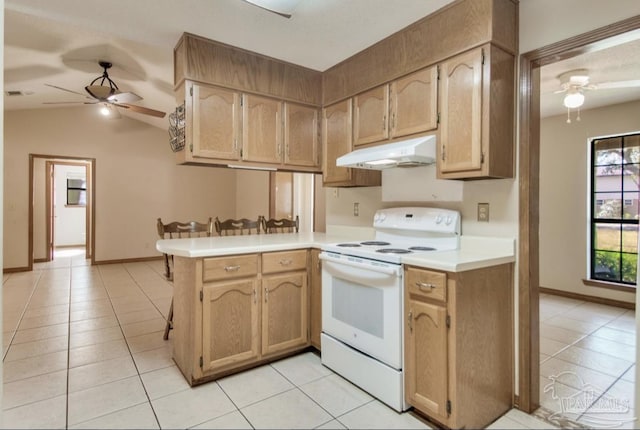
[
  {"x": 238, "y": 227},
  {"x": 178, "y": 230},
  {"x": 284, "y": 225}
]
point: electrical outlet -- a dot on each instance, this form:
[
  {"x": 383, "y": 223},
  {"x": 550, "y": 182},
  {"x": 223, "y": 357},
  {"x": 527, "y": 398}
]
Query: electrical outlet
[
  {"x": 335, "y": 192},
  {"x": 483, "y": 212},
  {"x": 356, "y": 209}
]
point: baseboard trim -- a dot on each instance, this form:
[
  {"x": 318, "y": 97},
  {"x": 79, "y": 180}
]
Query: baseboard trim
[
  {"x": 16, "y": 269},
  {"x": 127, "y": 260},
  {"x": 592, "y": 299},
  {"x": 40, "y": 260}
]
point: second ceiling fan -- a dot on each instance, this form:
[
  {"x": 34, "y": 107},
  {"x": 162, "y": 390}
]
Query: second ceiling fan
[{"x": 103, "y": 90}]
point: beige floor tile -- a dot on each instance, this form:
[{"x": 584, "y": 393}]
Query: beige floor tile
[
  {"x": 376, "y": 415},
  {"x": 576, "y": 376},
  {"x": 594, "y": 360},
  {"x": 624, "y": 391},
  {"x": 162, "y": 382},
  {"x": 556, "y": 397},
  {"x": 138, "y": 316},
  {"x": 616, "y": 335},
  {"x": 102, "y": 311},
  {"x": 135, "y": 417},
  {"x": 603, "y": 419},
  {"x": 506, "y": 423},
  {"x": 102, "y": 372},
  {"x": 289, "y": 410},
  {"x": 19, "y": 351},
  {"x": 581, "y": 314},
  {"x": 94, "y": 337},
  {"x": 45, "y": 414},
  {"x": 544, "y": 357},
  {"x": 32, "y": 334},
  {"x": 609, "y": 347},
  {"x": 254, "y": 385},
  {"x": 144, "y": 327},
  {"x": 93, "y": 305},
  {"x": 623, "y": 324},
  {"x": 105, "y": 399},
  {"x": 551, "y": 347},
  {"x": 560, "y": 334},
  {"x": 98, "y": 352},
  {"x": 527, "y": 420},
  {"x": 332, "y": 425},
  {"x": 34, "y": 366},
  {"x": 33, "y": 311},
  {"x": 301, "y": 369},
  {"x": 630, "y": 375},
  {"x": 192, "y": 407},
  {"x": 232, "y": 420},
  {"x": 35, "y": 389},
  {"x": 154, "y": 359},
  {"x": 43, "y": 320},
  {"x": 148, "y": 341},
  {"x": 583, "y": 327},
  {"x": 93, "y": 324},
  {"x": 335, "y": 394}
]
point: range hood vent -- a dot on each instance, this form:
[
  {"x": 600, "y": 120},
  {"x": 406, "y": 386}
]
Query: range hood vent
[{"x": 420, "y": 151}]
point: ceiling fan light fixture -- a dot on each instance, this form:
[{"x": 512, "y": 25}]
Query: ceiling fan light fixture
[
  {"x": 105, "y": 110},
  {"x": 573, "y": 99}
]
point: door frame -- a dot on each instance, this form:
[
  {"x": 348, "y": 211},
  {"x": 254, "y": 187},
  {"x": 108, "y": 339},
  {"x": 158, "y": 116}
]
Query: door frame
[
  {"x": 90, "y": 165},
  {"x": 529, "y": 180}
]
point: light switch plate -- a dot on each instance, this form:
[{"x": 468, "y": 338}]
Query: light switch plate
[{"x": 483, "y": 212}]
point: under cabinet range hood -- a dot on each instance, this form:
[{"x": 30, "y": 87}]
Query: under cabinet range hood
[{"x": 419, "y": 151}]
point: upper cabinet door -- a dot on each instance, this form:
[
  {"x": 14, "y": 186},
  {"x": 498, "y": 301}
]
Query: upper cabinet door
[
  {"x": 301, "y": 135},
  {"x": 414, "y": 103},
  {"x": 261, "y": 129},
  {"x": 336, "y": 141},
  {"x": 371, "y": 122},
  {"x": 461, "y": 113},
  {"x": 215, "y": 122}
]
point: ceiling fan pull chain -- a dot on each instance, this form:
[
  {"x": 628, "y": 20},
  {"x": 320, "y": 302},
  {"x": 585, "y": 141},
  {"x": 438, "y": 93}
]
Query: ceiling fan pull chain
[
  {"x": 568, "y": 116},
  {"x": 578, "y": 117}
]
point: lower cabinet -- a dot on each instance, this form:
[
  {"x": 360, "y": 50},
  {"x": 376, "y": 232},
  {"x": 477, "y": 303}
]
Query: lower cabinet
[
  {"x": 315, "y": 298},
  {"x": 231, "y": 313},
  {"x": 459, "y": 344}
]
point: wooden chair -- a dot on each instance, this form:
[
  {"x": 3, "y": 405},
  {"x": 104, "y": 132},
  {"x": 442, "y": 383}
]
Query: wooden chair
[
  {"x": 238, "y": 227},
  {"x": 284, "y": 225},
  {"x": 178, "y": 230}
]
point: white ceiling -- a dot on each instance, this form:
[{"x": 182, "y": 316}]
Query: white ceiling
[{"x": 60, "y": 42}]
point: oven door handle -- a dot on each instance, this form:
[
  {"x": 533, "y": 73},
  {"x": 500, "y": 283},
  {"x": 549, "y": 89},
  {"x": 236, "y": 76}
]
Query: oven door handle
[{"x": 370, "y": 267}]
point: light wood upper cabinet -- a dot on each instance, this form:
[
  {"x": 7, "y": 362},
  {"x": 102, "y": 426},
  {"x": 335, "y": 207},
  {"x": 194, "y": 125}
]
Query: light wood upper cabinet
[
  {"x": 477, "y": 115},
  {"x": 414, "y": 103},
  {"x": 301, "y": 135},
  {"x": 284, "y": 312},
  {"x": 261, "y": 129},
  {"x": 230, "y": 323},
  {"x": 214, "y": 118},
  {"x": 371, "y": 109},
  {"x": 337, "y": 141}
]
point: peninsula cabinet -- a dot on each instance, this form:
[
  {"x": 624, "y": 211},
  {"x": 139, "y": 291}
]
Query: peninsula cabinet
[
  {"x": 477, "y": 90},
  {"x": 403, "y": 107},
  {"x": 225, "y": 127},
  {"x": 337, "y": 140},
  {"x": 458, "y": 344}
]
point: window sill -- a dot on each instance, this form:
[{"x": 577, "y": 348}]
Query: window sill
[
  {"x": 610, "y": 285},
  {"x": 75, "y": 206}
]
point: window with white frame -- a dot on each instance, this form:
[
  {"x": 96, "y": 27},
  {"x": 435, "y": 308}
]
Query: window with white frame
[{"x": 613, "y": 255}]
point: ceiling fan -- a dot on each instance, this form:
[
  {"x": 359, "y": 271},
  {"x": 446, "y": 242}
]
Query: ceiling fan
[
  {"x": 575, "y": 82},
  {"x": 109, "y": 95}
]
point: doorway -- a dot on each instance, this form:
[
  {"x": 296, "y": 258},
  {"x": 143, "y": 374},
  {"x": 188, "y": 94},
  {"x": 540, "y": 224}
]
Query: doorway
[
  {"x": 62, "y": 198},
  {"x": 529, "y": 174}
]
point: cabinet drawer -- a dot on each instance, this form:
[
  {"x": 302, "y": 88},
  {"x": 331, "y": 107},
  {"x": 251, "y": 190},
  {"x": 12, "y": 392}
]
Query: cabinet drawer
[
  {"x": 229, "y": 267},
  {"x": 427, "y": 284},
  {"x": 284, "y": 261}
]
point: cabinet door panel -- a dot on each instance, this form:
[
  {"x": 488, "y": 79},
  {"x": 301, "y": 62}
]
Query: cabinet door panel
[
  {"x": 414, "y": 103},
  {"x": 426, "y": 358},
  {"x": 370, "y": 116},
  {"x": 261, "y": 129},
  {"x": 300, "y": 135},
  {"x": 284, "y": 312},
  {"x": 336, "y": 135},
  {"x": 229, "y": 323},
  {"x": 215, "y": 122},
  {"x": 461, "y": 113}
]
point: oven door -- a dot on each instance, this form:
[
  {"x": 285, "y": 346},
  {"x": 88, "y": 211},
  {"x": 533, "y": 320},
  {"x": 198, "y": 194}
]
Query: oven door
[{"x": 362, "y": 305}]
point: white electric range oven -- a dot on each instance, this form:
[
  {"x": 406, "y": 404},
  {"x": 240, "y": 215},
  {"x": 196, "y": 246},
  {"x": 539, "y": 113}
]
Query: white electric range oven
[{"x": 362, "y": 301}]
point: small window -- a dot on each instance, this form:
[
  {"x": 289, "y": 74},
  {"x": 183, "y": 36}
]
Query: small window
[{"x": 76, "y": 192}]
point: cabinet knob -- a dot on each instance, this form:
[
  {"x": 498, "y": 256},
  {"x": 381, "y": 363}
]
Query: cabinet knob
[
  {"x": 286, "y": 262},
  {"x": 410, "y": 321},
  {"x": 231, "y": 268}
]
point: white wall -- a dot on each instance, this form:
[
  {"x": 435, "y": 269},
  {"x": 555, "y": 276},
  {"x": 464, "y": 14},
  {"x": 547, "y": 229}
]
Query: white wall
[
  {"x": 252, "y": 190},
  {"x": 563, "y": 194},
  {"x": 70, "y": 221}
]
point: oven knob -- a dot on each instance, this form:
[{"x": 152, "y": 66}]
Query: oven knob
[
  {"x": 382, "y": 217},
  {"x": 448, "y": 220},
  {"x": 438, "y": 219}
]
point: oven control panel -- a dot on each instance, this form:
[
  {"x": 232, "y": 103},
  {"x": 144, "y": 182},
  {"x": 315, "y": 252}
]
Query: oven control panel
[{"x": 418, "y": 219}]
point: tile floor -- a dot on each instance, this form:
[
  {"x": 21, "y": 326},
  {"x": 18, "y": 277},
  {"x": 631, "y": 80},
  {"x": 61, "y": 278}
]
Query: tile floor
[
  {"x": 587, "y": 361},
  {"x": 83, "y": 348}
]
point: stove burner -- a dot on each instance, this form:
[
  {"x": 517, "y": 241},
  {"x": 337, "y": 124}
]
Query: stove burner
[
  {"x": 349, "y": 245},
  {"x": 375, "y": 243},
  {"x": 421, "y": 248},
  {"x": 393, "y": 251}
]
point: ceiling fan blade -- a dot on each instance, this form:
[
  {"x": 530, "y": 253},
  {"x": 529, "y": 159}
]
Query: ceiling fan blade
[
  {"x": 618, "y": 84},
  {"x": 560, "y": 91},
  {"x": 61, "y": 103},
  {"x": 69, "y": 91},
  {"x": 128, "y": 97},
  {"x": 145, "y": 110}
]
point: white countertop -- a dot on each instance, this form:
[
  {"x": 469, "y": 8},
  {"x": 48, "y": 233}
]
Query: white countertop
[{"x": 474, "y": 253}]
